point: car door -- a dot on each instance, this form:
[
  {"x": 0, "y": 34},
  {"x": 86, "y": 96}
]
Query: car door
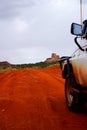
[
  {"x": 82, "y": 66},
  {"x": 79, "y": 63}
]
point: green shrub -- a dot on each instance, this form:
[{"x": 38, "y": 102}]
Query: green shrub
[{"x": 34, "y": 65}]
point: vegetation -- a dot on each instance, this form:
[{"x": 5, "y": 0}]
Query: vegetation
[
  {"x": 35, "y": 65},
  {"x": 22, "y": 66}
]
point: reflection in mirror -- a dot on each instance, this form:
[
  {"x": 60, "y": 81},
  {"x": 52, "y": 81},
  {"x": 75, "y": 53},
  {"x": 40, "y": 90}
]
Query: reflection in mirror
[{"x": 76, "y": 29}]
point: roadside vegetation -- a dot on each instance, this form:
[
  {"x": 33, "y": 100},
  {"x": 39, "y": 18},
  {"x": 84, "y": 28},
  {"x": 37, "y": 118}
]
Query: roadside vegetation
[{"x": 4, "y": 67}]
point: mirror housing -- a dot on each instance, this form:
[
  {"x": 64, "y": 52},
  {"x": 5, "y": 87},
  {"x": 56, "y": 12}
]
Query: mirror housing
[{"x": 76, "y": 29}]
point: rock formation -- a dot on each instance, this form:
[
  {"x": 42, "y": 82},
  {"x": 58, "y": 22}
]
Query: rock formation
[{"x": 53, "y": 58}]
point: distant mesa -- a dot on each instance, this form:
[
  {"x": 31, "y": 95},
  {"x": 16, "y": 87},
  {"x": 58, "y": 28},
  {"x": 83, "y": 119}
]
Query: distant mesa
[
  {"x": 4, "y": 63},
  {"x": 54, "y": 57}
]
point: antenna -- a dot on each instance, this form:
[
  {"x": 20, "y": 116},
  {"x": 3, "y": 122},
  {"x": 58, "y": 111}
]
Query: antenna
[{"x": 81, "y": 12}]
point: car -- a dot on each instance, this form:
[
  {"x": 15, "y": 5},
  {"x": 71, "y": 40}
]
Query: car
[{"x": 74, "y": 69}]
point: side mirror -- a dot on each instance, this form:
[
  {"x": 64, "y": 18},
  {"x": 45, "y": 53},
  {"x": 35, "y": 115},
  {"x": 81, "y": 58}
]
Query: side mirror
[{"x": 76, "y": 29}]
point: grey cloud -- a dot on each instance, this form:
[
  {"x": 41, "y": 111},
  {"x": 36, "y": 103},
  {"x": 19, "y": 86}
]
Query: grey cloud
[
  {"x": 11, "y": 8},
  {"x": 47, "y": 25},
  {"x": 82, "y": 1}
]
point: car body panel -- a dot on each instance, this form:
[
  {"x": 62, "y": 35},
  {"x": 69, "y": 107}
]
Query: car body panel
[{"x": 79, "y": 63}]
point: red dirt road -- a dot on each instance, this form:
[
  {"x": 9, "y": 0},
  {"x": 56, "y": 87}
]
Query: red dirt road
[{"x": 33, "y": 99}]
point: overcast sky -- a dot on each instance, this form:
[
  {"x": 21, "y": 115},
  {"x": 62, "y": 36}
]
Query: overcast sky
[{"x": 30, "y": 30}]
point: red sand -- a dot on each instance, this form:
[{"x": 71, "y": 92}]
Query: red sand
[{"x": 33, "y": 99}]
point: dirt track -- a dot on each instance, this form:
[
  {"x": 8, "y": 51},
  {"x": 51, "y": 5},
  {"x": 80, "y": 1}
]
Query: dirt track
[{"x": 33, "y": 99}]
